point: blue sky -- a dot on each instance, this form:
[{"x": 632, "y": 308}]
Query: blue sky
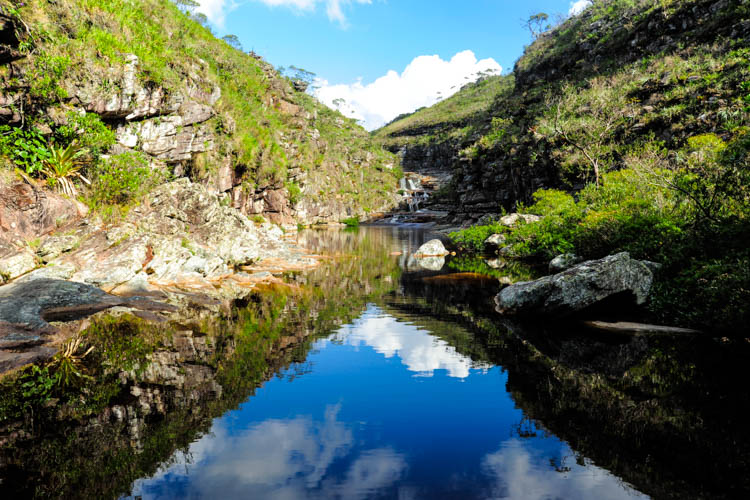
[{"x": 350, "y": 41}]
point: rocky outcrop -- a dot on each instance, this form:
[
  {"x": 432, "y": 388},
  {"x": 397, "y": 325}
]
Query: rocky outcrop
[{"x": 578, "y": 287}]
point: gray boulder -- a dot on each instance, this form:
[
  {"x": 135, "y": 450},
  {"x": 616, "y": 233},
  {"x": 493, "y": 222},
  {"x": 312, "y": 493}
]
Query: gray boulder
[
  {"x": 431, "y": 263},
  {"x": 563, "y": 262},
  {"x": 495, "y": 242},
  {"x": 513, "y": 219},
  {"x": 578, "y": 287},
  {"x": 433, "y": 248}
]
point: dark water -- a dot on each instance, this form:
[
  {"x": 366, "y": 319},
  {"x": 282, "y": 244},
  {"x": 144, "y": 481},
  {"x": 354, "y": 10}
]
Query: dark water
[{"x": 380, "y": 376}]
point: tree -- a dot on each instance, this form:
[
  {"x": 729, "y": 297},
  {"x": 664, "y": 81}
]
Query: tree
[
  {"x": 233, "y": 41},
  {"x": 536, "y": 24}
]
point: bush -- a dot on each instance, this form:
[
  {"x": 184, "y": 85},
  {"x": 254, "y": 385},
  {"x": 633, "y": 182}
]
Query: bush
[
  {"x": 555, "y": 233},
  {"x": 27, "y": 148},
  {"x": 351, "y": 221},
  {"x": 473, "y": 238},
  {"x": 123, "y": 178}
]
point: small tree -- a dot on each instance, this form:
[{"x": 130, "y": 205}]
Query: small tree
[
  {"x": 233, "y": 41},
  {"x": 536, "y": 24}
]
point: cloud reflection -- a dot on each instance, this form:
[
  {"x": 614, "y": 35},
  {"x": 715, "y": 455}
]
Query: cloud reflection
[
  {"x": 279, "y": 459},
  {"x": 517, "y": 474},
  {"x": 418, "y": 350}
]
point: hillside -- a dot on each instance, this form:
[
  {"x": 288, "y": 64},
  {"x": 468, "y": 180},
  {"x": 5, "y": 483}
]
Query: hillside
[
  {"x": 626, "y": 127},
  {"x": 144, "y": 83}
]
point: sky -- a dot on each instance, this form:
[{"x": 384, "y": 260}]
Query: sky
[{"x": 384, "y": 57}]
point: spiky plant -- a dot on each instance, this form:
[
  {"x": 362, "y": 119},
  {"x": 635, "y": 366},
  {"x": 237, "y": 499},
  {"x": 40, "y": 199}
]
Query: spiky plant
[
  {"x": 64, "y": 165},
  {"x": 68, "y": 366}
]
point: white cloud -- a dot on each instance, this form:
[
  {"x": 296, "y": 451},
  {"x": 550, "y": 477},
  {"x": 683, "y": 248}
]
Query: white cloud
[
  {"x": 519, "y": 475},
  {"x": 282, "y": 459},
  {"x": 425, "y": 81},
  {"x": 578, "y": 6},
  {"x": 334, "y": 8},
  {"x": 419, "y": 351},
  {"x": 216, "y": 10}
]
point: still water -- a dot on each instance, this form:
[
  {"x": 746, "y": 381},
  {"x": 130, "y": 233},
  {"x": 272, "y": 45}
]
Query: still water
[
  {"x": 378, "y": 375},
  {"x": 383, "y": 408}
]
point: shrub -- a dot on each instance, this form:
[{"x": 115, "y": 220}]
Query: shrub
[
  {"x": 27, "y": 148},
  {"x": 123, "y": 178},
  {"x": 555, "y": 233},
  {"x": 473, "y": 238},
  {"x": 351, "y": 221}
]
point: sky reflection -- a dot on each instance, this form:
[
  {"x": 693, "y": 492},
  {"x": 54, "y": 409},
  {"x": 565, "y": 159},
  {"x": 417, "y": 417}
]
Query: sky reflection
[{"x": 360, "y": 424}]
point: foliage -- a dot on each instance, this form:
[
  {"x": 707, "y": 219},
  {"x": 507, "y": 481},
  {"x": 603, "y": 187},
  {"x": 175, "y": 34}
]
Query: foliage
[
  {"x": 63, "y": 165},
  {"x": 26, "y": 148},
  {"x": 536, "y": 24},
  {"x": 473, "y": 238},
  {"x": 123, "y": 178},
  {"x": 294, "y": 191},
  {"x": 351, "y": 221},
  {"x": 89, "y": 131}
]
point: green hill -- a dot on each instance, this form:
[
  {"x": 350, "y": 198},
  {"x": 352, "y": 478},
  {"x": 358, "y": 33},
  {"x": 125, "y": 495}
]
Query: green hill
[
  {"x": 627, "y": 127},
  {"x": 143, "y": 77}
]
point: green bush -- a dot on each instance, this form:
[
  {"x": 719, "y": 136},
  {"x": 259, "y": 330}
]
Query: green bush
[
  {"x": 351, "y": 221},
  {"x": 473, "y": 238},
  {"x": 123, "y": 178},
  {"x": 88, "y": 129},
  {"x": 555, "y": 233},
  {"x": 27, "y": 148}
]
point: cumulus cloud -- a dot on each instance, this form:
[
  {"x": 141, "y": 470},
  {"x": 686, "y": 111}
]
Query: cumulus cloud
[
  {"x": 425, "y": 81},
  {"x": 578, "y": 6},
  {"x": 277, "y": 458},
  {"x": 216, "y": 10}
]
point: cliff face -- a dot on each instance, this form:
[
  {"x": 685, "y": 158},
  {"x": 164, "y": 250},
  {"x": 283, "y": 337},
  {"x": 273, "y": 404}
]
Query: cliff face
[
  {"x": 663, "y": 71},
  {"x": 193, "y": 104}
]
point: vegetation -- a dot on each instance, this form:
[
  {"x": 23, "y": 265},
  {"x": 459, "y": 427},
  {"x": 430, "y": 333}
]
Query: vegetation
[
  {"x": 268, "y": 130},
  {"x": 645, "y": 150}
]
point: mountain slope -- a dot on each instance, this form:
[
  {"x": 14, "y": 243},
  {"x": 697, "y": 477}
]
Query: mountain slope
[
  {"x": 194, "y": 105},
  {"x": 637, "y": 113}
]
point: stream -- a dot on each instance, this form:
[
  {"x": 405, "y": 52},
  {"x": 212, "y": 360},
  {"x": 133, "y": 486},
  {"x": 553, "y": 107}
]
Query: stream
[{"x": 380, "y": 376}]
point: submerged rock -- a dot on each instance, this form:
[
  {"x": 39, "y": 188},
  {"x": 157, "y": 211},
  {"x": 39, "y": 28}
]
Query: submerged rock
[
  {"x": 578, "y": 287},
  {"x": 433, "y": 248}
]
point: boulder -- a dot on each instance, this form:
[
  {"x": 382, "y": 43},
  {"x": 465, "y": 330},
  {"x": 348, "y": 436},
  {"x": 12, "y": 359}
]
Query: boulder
[
  {"x": 578, "y": 287},
  {"x": 16, "y": 264},
  {"x": 563, "y": 262},
  {"x": 433, "y": 248},
  {"x": 513, "y": 219},
  {"x": 495, "y": 242}
]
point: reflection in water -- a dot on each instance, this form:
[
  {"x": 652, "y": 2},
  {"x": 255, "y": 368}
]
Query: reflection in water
[
  {"x": 284, "y": 459},
  {"x": 237, "y": 405},
  {"x": 418, "y": 350},
  {"x": 518, "y": 474},
  {"x": 387, "y": 434}
]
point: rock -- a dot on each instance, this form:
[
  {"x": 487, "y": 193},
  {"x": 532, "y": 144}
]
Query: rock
[
  {"x": 513, "y": 219},
  {"x": 563, "y": 262},
  {"x": 433, "y": 248},
  {"x": 495, "y": 242},
  {"x": 431, "y": 263},
  {"x": 61, "y": 271},
  {"x": 32, "y": 304},
  {"x": 53, "y": 246},
  {"x": 16, "y": 264},
  {"x": 578, "y": 287},
  {"x": 654, "y": 266}
]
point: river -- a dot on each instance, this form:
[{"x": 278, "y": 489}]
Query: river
[{"x": 380, "y": 376}]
